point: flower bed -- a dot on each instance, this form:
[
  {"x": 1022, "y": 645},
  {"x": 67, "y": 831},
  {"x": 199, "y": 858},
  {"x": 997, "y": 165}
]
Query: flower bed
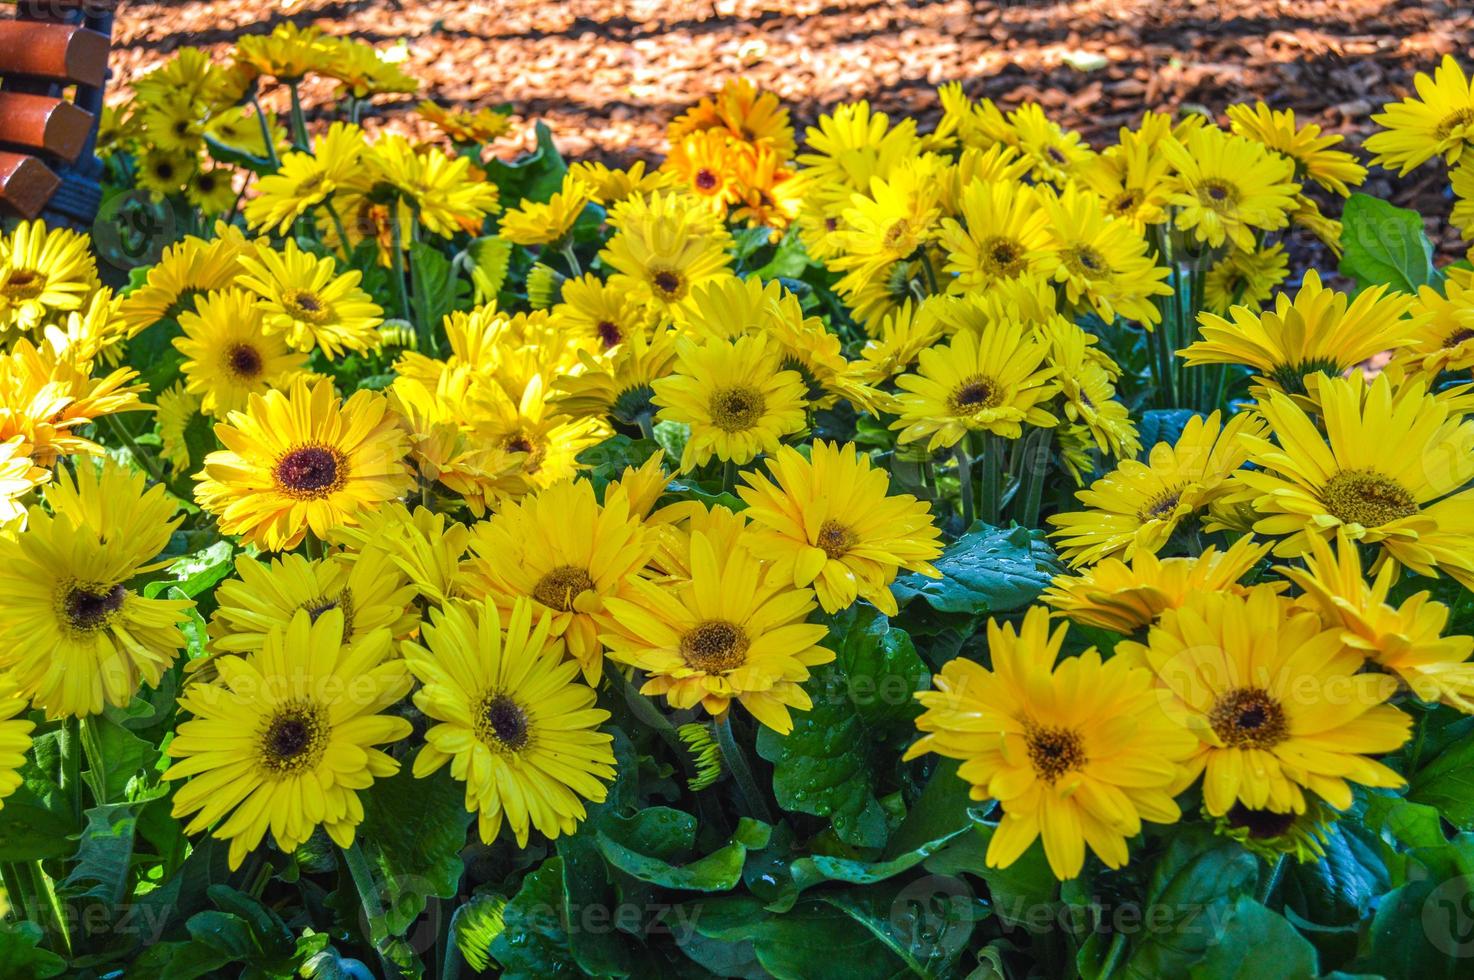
[{"x": 883, "y": 552}]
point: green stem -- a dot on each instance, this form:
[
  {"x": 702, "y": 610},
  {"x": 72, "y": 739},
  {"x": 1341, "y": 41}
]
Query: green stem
[
  {"x": 568, "y": 253},
  {"x": 1033, "y": 460},
  {"x": 266, "y": 139},
  {"x": 736, "y": 762},
  {"x": 964, "y": 480},
  {"x": 450, "y": 966},
  {"x": 144, "y": 459},
  {"x": 1267, "y": 887},
  {"x": 1113, "y": 956},
  {"x": 992, "y": 492},
  {"x": 71, "y": 766},
  {"x": 401, "y": 282},
  {"x": 299, "y": 119},
  {"x": 21, "y": 901},
  {"x": 96, "y": 759},
  {"x": 929, "y": 272},
  {"x": 647, "y": 428},
  {"x": 729, "y": 476},
  {"x": 363, "y": 880},
  {"x": 43, "y": 890},
  {"x": 312, "y": 546},
  {"x": 339, "y": 227}
]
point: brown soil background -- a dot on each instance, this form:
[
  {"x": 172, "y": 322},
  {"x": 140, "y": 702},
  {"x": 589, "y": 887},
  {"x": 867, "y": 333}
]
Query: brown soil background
[{"x": 607, "y": 75}]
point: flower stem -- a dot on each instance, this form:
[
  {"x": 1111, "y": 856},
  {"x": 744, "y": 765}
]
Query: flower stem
[
  {"x": 401, "y": 282},
  {"x": 266, "y": 139},
  {"x": 144, "y": 459},
  {"x": 992, "y": 503},
  {"x": 568, "y": 253},
  {"x": 736, "y": 762},
  {"x": 729, "y": 476},
  {"x": 363, "y": 880},
  {"x": 645, "y": 710},
  {"x": 647, "y": 429},
  {"x": 964, "y": 479},
  {"x": 71, "y": 766},
  {"x": 929, "y": 272},
  {"x": 96, "y": 759},
  {"x": 338, "y": 226},
  {"x": 1033, "y": 460},
  {"x": 299, "y": 119},
  {"x": 43, "y": 891}
]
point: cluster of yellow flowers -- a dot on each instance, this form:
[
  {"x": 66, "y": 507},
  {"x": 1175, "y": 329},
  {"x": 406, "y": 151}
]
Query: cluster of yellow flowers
[{"x": 434, "y": 534}]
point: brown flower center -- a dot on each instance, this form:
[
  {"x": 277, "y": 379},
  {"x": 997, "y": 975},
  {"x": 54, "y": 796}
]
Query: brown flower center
[
  {"x": 1086, "y": 261},
  {"x": 705, "y": 179},
  {"x": 715, "y": 647},
  {"x": 244, "y": 362},
  {"x": 1457, "y": 337},
  {"x": 1261, "y": 824},
  {"x": 294, "y": 738},
  {"x": 1162, "y": 505},
  {"x": 501, "y": 723},
  {"x": 305, "y": 305},
  {"x": 736, "y": 409},
  {"x": 975, "y": 394},
  {"x": 1248, "y": 718},
  {"x": 23, "y": 284},
  {"x": 836, "y": 539},
  {"x": 1218, "y": 195},
  {"x": 609, "y": 333},
  {"x": 310, "y": 472},
  {"x": 558, "y": 588},
  {"x": 1454, "y": 120},
  {"x": 669, "y": 283},
  {"x": 1368, "y": 498},
  {"x": 1055, "y": 751},
  {"x": 90, "y": 606},
  {"x": 343, "y": 602},
  {"x": 521, "y": 442},
  {"x": 1003, "y": 258}
]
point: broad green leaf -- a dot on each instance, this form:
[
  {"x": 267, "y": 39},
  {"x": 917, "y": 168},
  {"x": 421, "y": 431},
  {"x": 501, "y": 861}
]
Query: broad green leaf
[
  {"x": 412, "y": 833},
  {"x": 37, "y": 821},
  {"x": 1424, "y": 928},
  {"x": 21, "y": 957},
  {"x": 926, "y": 922},
  {"x": 197, "y": 573},
  {"x": 987, "y": 570},
  {"x": 116, "y": 756},
  {"x": 648, "y": 844},
  {"x": 1024, "y": 894},
  {"x": 534, "y": 942},
  {"x": 434, "y": 290},
  {"x": 1385, "y": 245},
  {"x": 104, "y": 854},
  {"x": 809, "y": 871},
  {"x": 879, "y": 664},
  {"x": 813, "y": 941},
  {"x": 1446, "y": 783},
  {"x": 1256, "y": 944},
  {"x": 942, "y": 808},
  {"x": 588, "y": 884},
  {"x": 476, "y": 925}
]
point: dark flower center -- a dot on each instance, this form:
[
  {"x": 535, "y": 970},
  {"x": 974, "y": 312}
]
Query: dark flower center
[
  {"x": 1003, "y": 257},
  {"x": 558, "y": 588},
  {"x": 836, "y": 539},
  {"x": 1248, "y": 718},
  {"x": 705, "y": 179},
  {"x": 343, "y": 602},
  {"x": 1218, "y": 195},
  {"x": 1162, "y": 505},
  {"x": 715, "y": 646},
  {"x": 1452, "y": 121},
  {"x": 671, "y": 284},
  {"x": 1368, "y": 498},
  {"x": 245, "y": 362},
  {"x": 1055, "y": 751},
  {"x": 502, "y": 723},
  {"x": 974, "y": 393},
  {"x": 310, "y": 471},
  {"x": 609, "y": 333},
  {"x": 294, "y": 739},
  {"x": 89, "y": 607},
  {"x": 1458, "y": 337},
  {"x": 23, "y": 284},
  {"x": 736, "y": 409},
  {"x": 1261, "y": 824},
  {"x": 303, "y": 305}
]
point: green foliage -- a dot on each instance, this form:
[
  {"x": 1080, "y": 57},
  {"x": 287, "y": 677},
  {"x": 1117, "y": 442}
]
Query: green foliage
[{"x": 1385, "y": 245}]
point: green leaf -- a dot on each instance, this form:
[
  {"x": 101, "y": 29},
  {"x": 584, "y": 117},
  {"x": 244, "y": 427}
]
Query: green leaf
[
  {"x": 988, "y": 570},
  {"x": 476, "y": 925},
  {"x": 926, "y": 923},
  {"x": 412, "y": 833},
  {"x": 1447, "y": 784},
  {"x": 116, "y": 757},
  {"x": 649, "y": 845},
  {"x": 1022, "y": 894},
  {"x": 37, "y": 821},
  {"x": 435, "y": 284},
  {"x": 534, "y": 942},
  {"x": 1385, "y": 245},
  {"x": 1162, "y": 425},
  {"x": 588, "y": 884},
  {"x": 197, "y": 573},
  {"x": 1257, "y": 944},
  {"x": 21, "y": 956},
  {"x": 1423, "y": 929},
  {"x": 104, "y": 854},
  {"x": 881, "y": 669},
  {"x": 809, "y": 871}
]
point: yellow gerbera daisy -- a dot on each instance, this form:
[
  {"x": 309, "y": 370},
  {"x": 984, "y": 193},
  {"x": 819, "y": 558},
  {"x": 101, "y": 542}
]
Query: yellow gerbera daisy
[
  {"x": 19, "y": 475},
  {"x": 15, "y": 738},
  {"x": 288, "y": 53},
  {"x": 1076, "y": 750},
  {"x": 1228, "y": 186},
  {"x": 665, "y": 246},
  {"x": 1102, "y": 261},
  {"x": 1245, "y": 278},
  {"x": 734, "y": 397},
  {"x": 1137, "y": 506},
  {"x": 1439, "y": 120},
  {"x": 533, "y": 223},
  {"x": 995, "y": 381},
  {"x": 620, "y": 387},
  {"x": 447, "y": 197},
  {"x": 610, "y": 187},
  {"x": 177, "y": 411},
  {"x": 1279, "y": 703},
  {"x": 1056, "y": 154},
  {"x": 1320, "y": 331},
  {"x": 727, "y": 633},
  {"x": 511, "y": 718},
  {"x": 1335, "y": 170},
  {"x": 850, "y": 147},
  {"x": 705, "y": 162},
  {"x": 1132, "y": 181},
  {"x": 228, "y": 353},
  {"x": 187, "y": 270},
  {"x": 43, "y": 271},
  {"x": 1125, "y": 598},
  {"x": 287, "y": 737},
  {"x": 304, "y": 298},
  {"x": 306, "y": 180},
  {"x": 75, "y": 635},
  {"x": 1443, "y": 338},
  {"x": 481, "y": 126},
  {"x": 828, "y": 522},
  {"x": 1004, "y": 234},
  {"x": 1392, "y": 468},
  {"x": 1089, "y": 396},
  {"x": 563, "y": 550},
  {"x": 600, "y": 315},
  {"x": 300, "y": 459}
]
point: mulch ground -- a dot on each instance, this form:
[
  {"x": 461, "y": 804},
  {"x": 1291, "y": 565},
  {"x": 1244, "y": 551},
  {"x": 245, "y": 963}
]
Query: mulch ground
[{"x": 607, "y": 75}]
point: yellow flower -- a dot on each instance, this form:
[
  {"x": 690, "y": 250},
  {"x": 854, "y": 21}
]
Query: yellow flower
[
  {"x": 229, "y": 355},
  {"x": 307, "y": 180},
  {"x": 1089, "y": 396},
  {"x": 531, "y": 223},
  {"x": 1006, "y": 235},
  {"x": 1335, "y": 170},
  {"x": 447, "y": 197},
  {"x": 48, "y": 398},
  {"x": 76, "y": 636},
  {"x": 705, "y": 161},
  {"x": 360, "y": 70},
  {"x": 902, "y": 336},
  {"x": 1280, "y": 704},
  {"x": 511, "y": 719},
  {"x": 1137, "y": 506},
  {"x": 186, "y": 270},
  {"x": 287, "y": 53},
  {"x": 1438, "y": 121},
  {"x": 481, "y": 126},
  {"x": 1443, "y": 338},
  {"x": 1102, "y": 261},
  {"x": 994, "y": 381},
  {"x": 727, "y": 633},
  {"x": 566, "y": 552},
  {"x": 1056, "y": 154},
  {"x": 43, "y": 272},
  {"x": 19, "y": 475},
  {"x": 1076, "y": 750},
  {"x": 287, "y": 737},
  {"x": 619, "y": 387},
  {"x": 305, "y": 299},
  {"x": 1462, "y": 215},
  {"x": 610, "y": 187},
  {"x": 1245, "y": 278},
  {"x": 1319, "y": 332},
  {"x": 892, "y": 219},
  {"x": 734, "y": 397},
  {"x": 664, "y": 246},
  {"x": 849, "y": 148},
  {"x": 828, "y": 522},
  {"x": 370, "y": 591},
  {"x": 427, "y": 547},
  {"x": 15, "y": 738},
  {"x": 1392, "y": 468},
  {"x": 1228, "y": 186},
  {"x": 300, "y": 459},
  {"x": 212, "y": 191},
  {"x": 1132, "y": 181},
  {"x": 600, "y": 315},
  {"x": 165, "y": 172},
  {"x": 177, "y": 412},
  {"x": 741, "y": 113},
  {"x": 1125, "y": 598}
]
